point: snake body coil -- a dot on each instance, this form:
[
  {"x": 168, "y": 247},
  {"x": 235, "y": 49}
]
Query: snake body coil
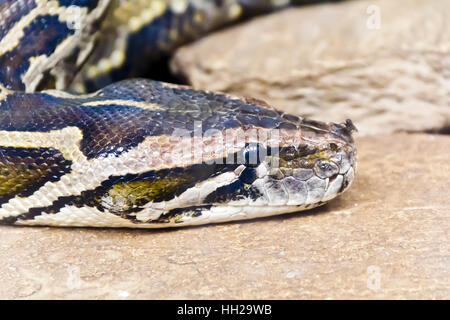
[{"x": 142, "y": 153}]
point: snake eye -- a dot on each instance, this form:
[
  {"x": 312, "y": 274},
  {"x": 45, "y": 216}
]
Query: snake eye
[
  {"x": 325, "y": 169},
  {"x": 254, "y": 154}
]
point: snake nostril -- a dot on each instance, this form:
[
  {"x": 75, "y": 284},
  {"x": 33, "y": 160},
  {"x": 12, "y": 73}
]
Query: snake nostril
[{"x": 333, "y": 147}]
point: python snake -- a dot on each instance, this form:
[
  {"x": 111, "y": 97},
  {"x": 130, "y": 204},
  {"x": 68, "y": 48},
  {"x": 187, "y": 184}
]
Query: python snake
[{"x": 80, "y": 146}]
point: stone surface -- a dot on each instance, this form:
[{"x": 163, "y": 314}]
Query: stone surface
[
  {"x": 387, "y": 237},
  {"x": 334, "y": 61}
]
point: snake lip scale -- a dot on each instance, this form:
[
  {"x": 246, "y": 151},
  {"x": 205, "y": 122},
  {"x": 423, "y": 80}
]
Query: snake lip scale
[{"x": 140, "y": 153}]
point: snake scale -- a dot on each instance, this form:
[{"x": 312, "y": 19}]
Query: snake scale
[{"x": 86, "y": 141}]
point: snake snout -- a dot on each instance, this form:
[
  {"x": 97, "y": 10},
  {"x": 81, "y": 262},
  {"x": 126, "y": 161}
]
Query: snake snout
[
  {"x": 344, "y": 130},
  {"x": 346, "y": 159}
]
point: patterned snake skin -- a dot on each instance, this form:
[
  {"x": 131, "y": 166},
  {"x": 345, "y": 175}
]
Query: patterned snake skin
[{"x": 141, "y": 153}]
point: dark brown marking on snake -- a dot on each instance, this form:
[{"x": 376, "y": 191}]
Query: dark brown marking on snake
[
  {"x": 90, "y": 4},
  {"x": 125, "y": 195},
  {"x": 24, "y": 170},
  {"x": 11, "y": 11},
  {"x": 234, "y": 191},
  {"x": 43, "y": 35},
  {"x": 177, "y": 214}
]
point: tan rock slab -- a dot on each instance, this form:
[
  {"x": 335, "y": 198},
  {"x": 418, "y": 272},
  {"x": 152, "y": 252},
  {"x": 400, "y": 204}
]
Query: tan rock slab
[
  {"x": 385, "y": 64},
  {"x": 387, "y": 237}
]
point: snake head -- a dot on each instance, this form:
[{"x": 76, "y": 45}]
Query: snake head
[
  {"x": 296, "y": 167},
  {"x": 254, "y": 161},
  {"x": 313, "y": 170},
  {"x": 305, "y": 166}
]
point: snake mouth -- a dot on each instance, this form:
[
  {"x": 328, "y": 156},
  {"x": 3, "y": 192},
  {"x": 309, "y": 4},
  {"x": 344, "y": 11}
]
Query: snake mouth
[
  {"x": 269, "y": 198},
  {"x": 263, "y": 190}
]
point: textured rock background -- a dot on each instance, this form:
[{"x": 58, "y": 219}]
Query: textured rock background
[
  {"x": 331, "y": 62},
  {"x": 387, "y": 237}
]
